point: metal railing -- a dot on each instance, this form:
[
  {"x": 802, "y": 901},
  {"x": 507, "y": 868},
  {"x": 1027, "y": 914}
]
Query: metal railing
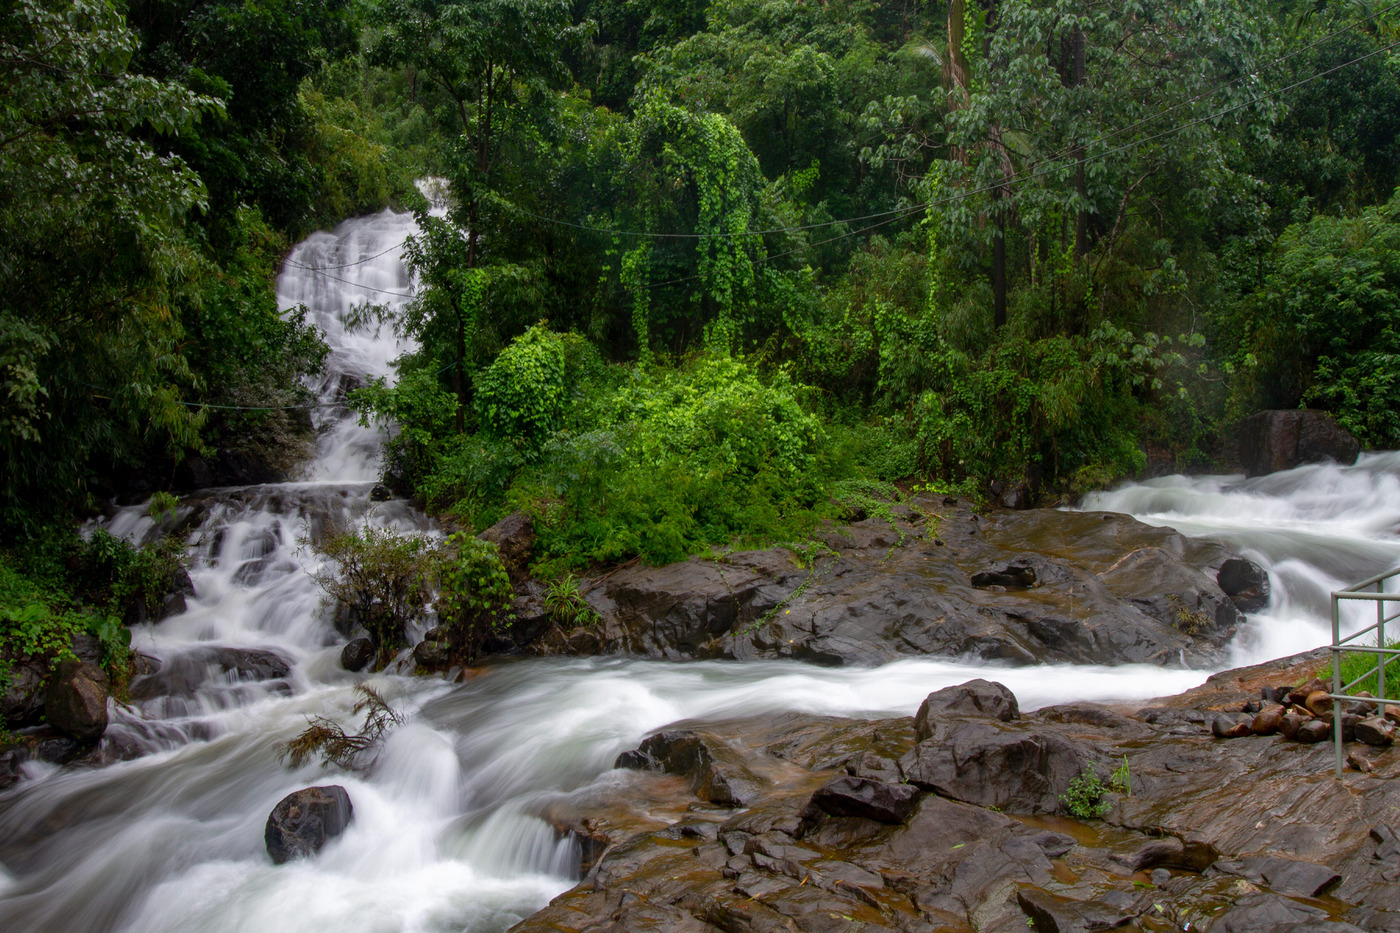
[{"x": 1385, "y": 656}]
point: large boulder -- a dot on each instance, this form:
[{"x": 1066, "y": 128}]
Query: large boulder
[
  {"x": 357, "y": 654},
  {"x": 1245, "y": 582},
  {"x": 76, "y": 703},
  {"x": 1280, "y": 440},
  {"x": 976, "y": 698},
  {"x": 1089, "y": 588},
  {"x": 22, "y": 701},
  {"x": 716, "y": 774},
  {"x": 989, "y": 765},
  {"x": 515, "y": 536},
  {"x": 303, "y": 821}
]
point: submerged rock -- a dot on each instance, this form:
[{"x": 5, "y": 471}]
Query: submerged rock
[
  {"x": 184, "y": 674},
  {"x": 303, "y": 821}
]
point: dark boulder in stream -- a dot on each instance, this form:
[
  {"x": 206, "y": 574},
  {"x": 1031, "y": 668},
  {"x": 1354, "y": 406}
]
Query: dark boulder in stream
[
  {"x": 1280, "y": 440},
  {"x": 221, "y": 666},
  {"x": 303, "y": 821},
  {"x": 1017, "y": 587}
]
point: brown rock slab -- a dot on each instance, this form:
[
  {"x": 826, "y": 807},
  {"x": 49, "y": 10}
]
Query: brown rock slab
[
  {"x": 1373, "y": 730},
  {"x": 872, "y": 800},
  {"x": 976, "y": 698},
  {"x": 76, "y": 704}
]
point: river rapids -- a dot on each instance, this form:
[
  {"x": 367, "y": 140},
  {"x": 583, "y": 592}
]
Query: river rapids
[{"x": 448, "y": 834}]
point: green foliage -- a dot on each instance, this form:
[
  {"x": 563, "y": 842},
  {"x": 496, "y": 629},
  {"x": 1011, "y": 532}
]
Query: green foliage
[
  {"x": 384, "y": 577},
  {"x": 475, "y": 597},
  {"x": 1356, "y": 664},
  {"x": 1326, "y": 321},
  {"x": 1085, "y": 796},
  {"x": 420, "y": 409},
  {"x": 563, "y": 600},
  {"x": 521, "y": 395}
]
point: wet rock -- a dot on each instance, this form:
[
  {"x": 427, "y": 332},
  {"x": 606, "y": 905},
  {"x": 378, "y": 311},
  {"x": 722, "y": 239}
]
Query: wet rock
[
  {"x": 12, "y": 759},
  {"x": 515, "y": 536},
  {"x": 1245, "y": 582},
  {"x": 1267, "y": 721},
  {"x": 1387, "y": 843},
  {"x": 22, "y": 702},
  {"x": 715, "y": 774},
  {"x": 1373, "y": 730},
  {"x": 432, "y": 654},
  {"x": 1291, "y": 722},
  {"x": 1319, "y": 703},
  {"x": 1299, "y": 695},
  {"x": 357, "y": 655},
  {"x": 872, "y": 800},
  {"x": 1171, "y": 852},
  {"x": 1012, "y": 575},
  {"x": 303, "y": 821},
  {"x": 1263, "y": 912},
  {"x": 1294, "y": 877},
  {"x": 1314, "y": 731},
  {"x": 1280, "y": 440},
  {"x": 1049, "y": 913},
  {"x": 1225, "y": 727},
  {"x": 991, "y": 766},
  {"x": 1359, "y": 762},
  {"x": 1119, "y": 593},
  {"x": 380, "y": 493},
  {"x": 50, "y": 745},
  {"x": 979, "y": 698},
  {"x": 185, "y": 674},
  {"x": 76, "y": 702}
]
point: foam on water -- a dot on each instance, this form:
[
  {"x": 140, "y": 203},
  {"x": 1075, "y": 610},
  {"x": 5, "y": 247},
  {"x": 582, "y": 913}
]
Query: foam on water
[
  {"x": 448, "y": 832},
  {"x": 1316, "y": 529}
]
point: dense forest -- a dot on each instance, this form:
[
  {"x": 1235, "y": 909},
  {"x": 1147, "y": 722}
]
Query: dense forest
[{"x": 709, "y": 272}]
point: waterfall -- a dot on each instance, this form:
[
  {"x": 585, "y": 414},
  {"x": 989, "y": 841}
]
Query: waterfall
[{"x": 449, "y": 833}]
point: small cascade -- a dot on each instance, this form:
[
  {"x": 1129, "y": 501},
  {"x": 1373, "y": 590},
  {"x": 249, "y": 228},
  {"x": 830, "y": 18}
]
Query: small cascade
[{"x": 1315, "y": 529}]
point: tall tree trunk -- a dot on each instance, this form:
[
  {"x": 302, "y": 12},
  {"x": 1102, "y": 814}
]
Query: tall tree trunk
[
  {"x": 1081, "y": 219},
  {"x": 998, "y": 261}
]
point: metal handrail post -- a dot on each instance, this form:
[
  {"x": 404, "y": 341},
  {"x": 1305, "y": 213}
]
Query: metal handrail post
[{"x": 1337, "y": 681}]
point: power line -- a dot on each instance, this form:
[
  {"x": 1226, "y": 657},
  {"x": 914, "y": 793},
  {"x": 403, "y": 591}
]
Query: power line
[{"x": 348, "y": 265}]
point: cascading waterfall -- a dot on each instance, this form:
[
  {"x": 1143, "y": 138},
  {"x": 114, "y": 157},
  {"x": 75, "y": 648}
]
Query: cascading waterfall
[
  {"x": 1316, "y": 529},
  {"x": 448, "y": 831}
]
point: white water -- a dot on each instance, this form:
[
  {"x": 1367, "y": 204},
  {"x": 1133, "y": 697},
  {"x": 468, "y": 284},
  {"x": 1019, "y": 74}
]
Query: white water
[
  {"x": 1316, "y": 529},
  {"x": 447, "y": 834}
]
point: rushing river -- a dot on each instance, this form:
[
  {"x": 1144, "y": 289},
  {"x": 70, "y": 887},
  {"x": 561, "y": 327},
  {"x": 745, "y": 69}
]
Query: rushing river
[{"x": 447, "y": 834}]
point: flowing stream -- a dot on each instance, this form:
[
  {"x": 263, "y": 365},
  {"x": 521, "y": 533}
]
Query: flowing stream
[{"x": 448, "y": 833}]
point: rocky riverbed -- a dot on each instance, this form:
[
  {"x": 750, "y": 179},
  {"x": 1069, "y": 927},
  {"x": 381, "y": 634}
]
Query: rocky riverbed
[
  {"x": 935, "y": 577},
  {"x": 955, "y": 819}
]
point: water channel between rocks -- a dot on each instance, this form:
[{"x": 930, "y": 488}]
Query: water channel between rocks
[{"x": 447, "y": 834}]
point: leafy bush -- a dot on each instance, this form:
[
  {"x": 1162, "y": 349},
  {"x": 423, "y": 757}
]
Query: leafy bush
[
  {"x": 720, "y": 414},
  {"x": 383, "y": 576},
  {"x": 563, "y": 600},
  {"x": 1084, "y": 797},
  {"x": 1327, "y": 321},
  {"x": 476, "y": 593},
  {"x": 521, "y": 395}
]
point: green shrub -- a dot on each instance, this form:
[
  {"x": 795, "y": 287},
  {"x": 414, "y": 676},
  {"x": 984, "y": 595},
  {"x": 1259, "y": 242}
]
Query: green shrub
[
  {"x": 1084, "y": 797},
  {"x": 385, "y": 577},
  {"x": 475, "y": 595},
  {"x": 521, "y": 395}
]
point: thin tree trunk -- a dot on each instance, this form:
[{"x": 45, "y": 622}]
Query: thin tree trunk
[
  {"x": 998, "y": 262},
  {"x": 1081, "y": 220}
]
